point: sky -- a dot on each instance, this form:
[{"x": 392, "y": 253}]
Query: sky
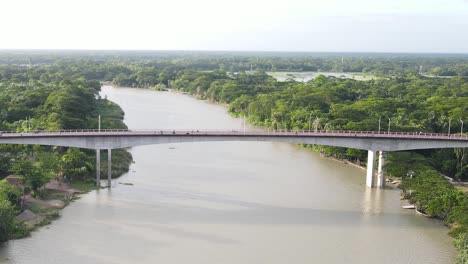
[{"x": 241, "y": 25}]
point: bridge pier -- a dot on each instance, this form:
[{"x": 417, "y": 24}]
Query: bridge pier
[
  {"x": 98, "y": 167},
  {"x": 370, "y": 168},
  {"x": 380, "y": 170},
  {"x": 109, "y": 167},
  {"x": 370, "y": 179}
]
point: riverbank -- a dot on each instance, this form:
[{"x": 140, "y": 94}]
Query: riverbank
[
  {"x": 370, "y": 202},
  {"x": 221, "y": 200},
  {"x": 40, "y": 211},
  {"x": 159, "y": 88},
  {"x": 396, "y": 181},
  {"x": 36, "y": 199}
]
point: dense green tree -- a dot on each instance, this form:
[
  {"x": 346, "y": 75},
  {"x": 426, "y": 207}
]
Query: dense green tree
[
  {"x": 10, "y": 193},
  {"x": 74, "y": 163},
  {"x": 7, "y": 220},
  {"x": 34, "y": 174}
]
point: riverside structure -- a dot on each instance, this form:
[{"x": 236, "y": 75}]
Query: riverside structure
[{"x": 371, "y": 141}]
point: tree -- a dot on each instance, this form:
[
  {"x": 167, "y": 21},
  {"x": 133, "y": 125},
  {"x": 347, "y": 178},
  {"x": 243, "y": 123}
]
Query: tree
[
  {"x": 34, "y": 175},
  {"x": 10, "y": 193},
  {"x": 74, "y": 163},
  {"x": 7, "y": 220}
]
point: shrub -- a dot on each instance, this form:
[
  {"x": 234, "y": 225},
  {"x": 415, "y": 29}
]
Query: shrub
[
  {"x": 461, "y": 243},
  {"x": 7, "y": 220}
]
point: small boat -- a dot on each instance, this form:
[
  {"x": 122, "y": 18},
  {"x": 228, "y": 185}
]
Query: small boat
[{"x": 411, "y": 206}]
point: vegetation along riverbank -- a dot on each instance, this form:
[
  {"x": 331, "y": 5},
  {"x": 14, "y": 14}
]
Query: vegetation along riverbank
[
  {"x": 407, "y": 103},
  {"x": 41, "y": 179}
]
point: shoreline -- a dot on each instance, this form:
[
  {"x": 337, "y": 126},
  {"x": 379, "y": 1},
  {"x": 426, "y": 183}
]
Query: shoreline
[
  {"x": 170, "y": 90},
  {"x": 55, "y": 195},
  {"x": 395, "y": 181},
  {"x": 39, "y": 212}
]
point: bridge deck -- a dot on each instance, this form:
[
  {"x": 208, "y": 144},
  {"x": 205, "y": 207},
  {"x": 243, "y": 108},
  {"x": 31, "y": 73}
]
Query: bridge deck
[{"x": 237, "y": 133}]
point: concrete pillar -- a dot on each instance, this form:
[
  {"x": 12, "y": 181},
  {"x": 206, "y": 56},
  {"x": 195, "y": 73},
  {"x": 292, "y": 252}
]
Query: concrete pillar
[
  {"x": 380, "y": 170},
  {"x": 109, "y": 167},
  {"x": 370, "y": 168},
  {"x": 98, "y": 167}
]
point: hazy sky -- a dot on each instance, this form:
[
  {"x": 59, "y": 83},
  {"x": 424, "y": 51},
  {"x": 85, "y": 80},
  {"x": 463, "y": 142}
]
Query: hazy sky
[{"x": 268, "y": 25}]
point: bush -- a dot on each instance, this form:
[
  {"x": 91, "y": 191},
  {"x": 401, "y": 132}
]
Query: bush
[
  {"x": 459, "y": 217},
  {"x": 10, "y": 193},
  {"x": 21, "y": 230},
  {"x": 7, "y": 220},
  {"x": 461, "y": 243},
  {"x": 432, "y": 194}
]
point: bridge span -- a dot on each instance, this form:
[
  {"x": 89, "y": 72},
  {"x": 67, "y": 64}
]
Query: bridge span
[{"x": 367, "y": 140}]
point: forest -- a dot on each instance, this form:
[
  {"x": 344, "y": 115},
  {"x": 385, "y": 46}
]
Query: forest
[
  {"x": 32, "y": 99},
  {"x": 230, "y": 61},
  {"x": 413, "y": 92}
]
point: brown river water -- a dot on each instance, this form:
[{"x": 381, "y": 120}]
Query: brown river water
[{"x": 230, "y": 202}]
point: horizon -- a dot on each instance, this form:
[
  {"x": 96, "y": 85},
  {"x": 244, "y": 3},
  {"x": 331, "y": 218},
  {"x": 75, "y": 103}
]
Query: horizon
[{"x": 229, "y": 51}]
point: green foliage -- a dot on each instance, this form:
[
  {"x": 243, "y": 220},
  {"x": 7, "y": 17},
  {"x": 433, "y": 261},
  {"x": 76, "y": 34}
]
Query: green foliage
[
  {"x": 74, "y": 163},
  {"x": 50, "y": 161},
  {"x": 33, "y": 173},
  {"x": 20, "y": 231},
  {"x": 123, "y": 157},
  {"x": 461, "y": 243},
  {"x": 7, "y": 220},
  {"x": 459, "y": 217},
  {"x": 161, "y": 66},
  {"x": 22, "y": 167},
  {"x": 10, "y": 193},
  {"x": 54, "y": 97},
  {"x": 432, "y": 193},
  {"x": 401, "y": 163},
  {"x": 412, "y": 103},
  {"x": 444, "y": 204}
]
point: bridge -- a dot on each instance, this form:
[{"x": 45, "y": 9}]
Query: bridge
[{"x": 373, "y": 142}]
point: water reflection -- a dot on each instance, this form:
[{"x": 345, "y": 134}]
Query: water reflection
[{"x": 373, "y": 202}]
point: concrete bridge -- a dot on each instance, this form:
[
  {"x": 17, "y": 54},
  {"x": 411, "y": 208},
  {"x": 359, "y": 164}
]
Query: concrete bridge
[{"x": 371, "y": 141}]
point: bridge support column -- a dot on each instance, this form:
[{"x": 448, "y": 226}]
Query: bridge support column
[
  {"x": 109, "y": 167},
  {"x": 380, "y": 170},
  {"x": 98, "y": 167},
  {"x": 370, "y": 168}
]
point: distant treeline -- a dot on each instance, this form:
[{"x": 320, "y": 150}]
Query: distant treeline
[{"x": 375, "y": 63}]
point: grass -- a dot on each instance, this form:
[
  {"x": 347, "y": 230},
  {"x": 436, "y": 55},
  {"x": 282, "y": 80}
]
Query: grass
[
  {"x": 84, "y": 186},
  {"x": 462, "y": 188},
  {"x": 54, "y": 195}
]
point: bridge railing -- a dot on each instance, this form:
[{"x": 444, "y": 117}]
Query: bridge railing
[{"x": 234, "y": 132}]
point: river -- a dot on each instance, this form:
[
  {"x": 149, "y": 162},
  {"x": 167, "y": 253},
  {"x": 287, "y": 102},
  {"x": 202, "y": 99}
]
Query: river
[{"x": 230, "y": 202}]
